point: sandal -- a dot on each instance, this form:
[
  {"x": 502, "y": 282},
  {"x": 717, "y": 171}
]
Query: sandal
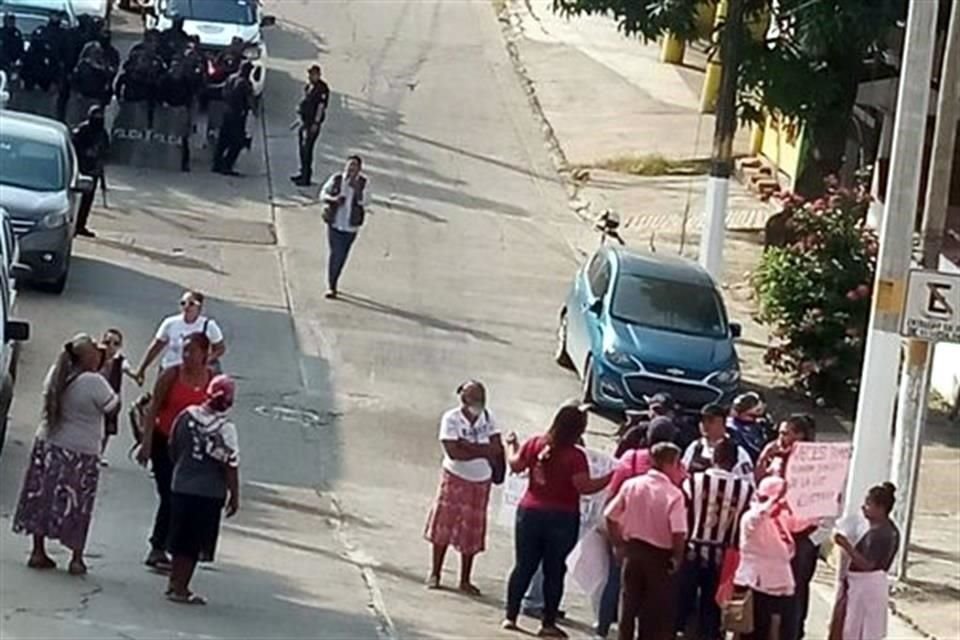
[
  {"x": 77, "y": 568},
  {"x": 470, "y": 590},
  {"x": 41, "y": 563},
  {"x": 433, "y": 583},
  {"x": 509, "y": 625},
  {"x": 186, "y": 598},
  {"x": 551, "y": 631}
]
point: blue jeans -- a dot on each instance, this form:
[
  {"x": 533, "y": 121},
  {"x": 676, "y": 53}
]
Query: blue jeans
[
  {"x": 698, "y": 579},
  {"x": 340, "y": 243},
  {"x": 547, "y": 538},
  {"x": 610, "y": 598}
]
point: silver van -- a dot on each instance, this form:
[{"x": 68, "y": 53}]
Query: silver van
[
  {"x": 40, "y": 187},
  {"x": 12, "y": 332}
]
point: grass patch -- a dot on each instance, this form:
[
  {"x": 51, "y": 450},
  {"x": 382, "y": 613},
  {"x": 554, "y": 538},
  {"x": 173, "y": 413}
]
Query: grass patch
[{"x": 653, "y": 164}]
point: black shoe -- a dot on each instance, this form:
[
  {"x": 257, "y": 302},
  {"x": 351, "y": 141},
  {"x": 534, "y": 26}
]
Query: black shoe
[
  {"x": 297, "y": 178},
  {"x": 302, "y": 183},
  {"x": 231, "y": 172},
  {"x": 85, "y": 233}
]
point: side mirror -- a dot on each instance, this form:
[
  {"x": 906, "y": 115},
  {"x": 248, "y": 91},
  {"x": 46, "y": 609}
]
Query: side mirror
[
  {"x": 18, "y": 330},
  {"x": 268, "y": 21},
  {"x": 736, "y": 330},
  {"x": 20, "y": 271},
  {"x": 596, "y": 307},
  {"x": 84, "y": 184}
]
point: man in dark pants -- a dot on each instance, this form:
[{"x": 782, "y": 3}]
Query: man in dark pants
[
  {"x": 92, "y": 143},
  {"x": 312, "y": 111},
  {"x": 345, "y": 198},
  {"x": 238, "y": 100},
  {"x": 11, "y": 43}
]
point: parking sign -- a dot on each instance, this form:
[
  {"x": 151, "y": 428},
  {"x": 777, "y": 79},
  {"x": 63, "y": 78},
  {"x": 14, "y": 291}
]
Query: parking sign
[{"x": 932, "y": 310}]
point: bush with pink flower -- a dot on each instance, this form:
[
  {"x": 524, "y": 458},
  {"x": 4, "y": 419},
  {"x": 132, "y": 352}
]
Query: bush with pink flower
[{"x": 814, "y": 292}]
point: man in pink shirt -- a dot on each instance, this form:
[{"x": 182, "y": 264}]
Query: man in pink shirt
[{"x": 647, "y": 521}]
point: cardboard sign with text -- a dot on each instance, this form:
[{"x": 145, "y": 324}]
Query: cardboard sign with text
[{"x": 816, "y": 478}]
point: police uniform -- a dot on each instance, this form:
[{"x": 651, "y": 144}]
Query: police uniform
[
  {"x": 91, "y": 142},
  {"x": 312, "y": 112},
  {"x": 238, "y": 100}
]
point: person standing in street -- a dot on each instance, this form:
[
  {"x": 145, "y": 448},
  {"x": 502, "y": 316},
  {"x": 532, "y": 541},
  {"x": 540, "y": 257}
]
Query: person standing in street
[
  {"x": 748, "y": 424},
  {"x": 861, "y": 609},
  {"x": 716, "y": 500},
  {"x": 237, "y": 103},
  {"x": 92, "y": 142},
  {"x": 345, "y": 197},
  {"x": 168, "y": 342},
  {"x": 60, "y": 486},
  {"x": 115, "y": 366},
  {"x": 312, "y": 112},
  {"x": 178, "y": 387},
  {"x": 206, "y": 462},
  {"x": 713, "y": 430},
  {"x": 647, "y": 524},
  {"x": 548, "y": 516},
  {"x": 471, "y": 446}
]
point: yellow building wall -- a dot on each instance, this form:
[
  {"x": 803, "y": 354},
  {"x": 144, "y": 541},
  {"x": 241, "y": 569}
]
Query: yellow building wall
[{"x": 783, "y": 147}]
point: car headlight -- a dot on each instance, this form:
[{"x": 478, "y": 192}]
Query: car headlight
[
  {"x": 620, "y": 360},
  {"x": 726, "y": 377},
  {"x": 54, "y": 220},
  {"x": 253, "y": 53}
]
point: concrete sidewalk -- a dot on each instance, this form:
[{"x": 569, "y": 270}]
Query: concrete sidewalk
[{"x": 602, "y": 96}]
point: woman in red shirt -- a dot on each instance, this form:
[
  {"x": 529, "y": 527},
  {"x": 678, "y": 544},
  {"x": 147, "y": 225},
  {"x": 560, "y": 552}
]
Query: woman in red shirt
[
  {"x": 176, "y": 389},
  {"x": 548, "y": 517}
]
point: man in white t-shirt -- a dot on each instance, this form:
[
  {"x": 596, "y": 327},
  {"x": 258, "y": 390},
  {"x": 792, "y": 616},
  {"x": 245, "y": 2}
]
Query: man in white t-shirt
[
  {"x": 471, "y": 447},
  {"x": 168, "y": 341},
  {"x": 713, "y": 429}
]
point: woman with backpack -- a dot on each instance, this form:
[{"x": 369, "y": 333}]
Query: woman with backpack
[{"x": 473, "y": 459}]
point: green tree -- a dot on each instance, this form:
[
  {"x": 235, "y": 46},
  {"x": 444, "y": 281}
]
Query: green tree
[{"x": 806, "y": 69}]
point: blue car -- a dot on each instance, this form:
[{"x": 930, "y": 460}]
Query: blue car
[{"x": 638, "y": 324}]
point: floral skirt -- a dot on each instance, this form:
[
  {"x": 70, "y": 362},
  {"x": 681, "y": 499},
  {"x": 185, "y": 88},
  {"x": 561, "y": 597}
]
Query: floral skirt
[
  {"x": 459, "y": 514},
  {"x": 56, "y": 500}
]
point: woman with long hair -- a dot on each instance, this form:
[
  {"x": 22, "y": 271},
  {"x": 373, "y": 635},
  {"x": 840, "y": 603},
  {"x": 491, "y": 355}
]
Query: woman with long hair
[
  {"x": 863, "y": 590},
  {"x": 177, "y": 388},
  {"x": 60, "y": 486},
  {"x": 548, "y": 516}
]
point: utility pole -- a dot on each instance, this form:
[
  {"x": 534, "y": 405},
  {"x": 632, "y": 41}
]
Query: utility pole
[
  {"x": 872, "y": 442},
  {"x": 915, "y": 385},
  {"x": 721, "y": 167}
]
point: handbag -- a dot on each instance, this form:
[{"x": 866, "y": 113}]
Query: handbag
[{"x": 737, "y": 613}]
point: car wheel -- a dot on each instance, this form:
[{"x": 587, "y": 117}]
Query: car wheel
[
  {"x": 588, "y": 381},
  {"x": 561, "y": 355}
]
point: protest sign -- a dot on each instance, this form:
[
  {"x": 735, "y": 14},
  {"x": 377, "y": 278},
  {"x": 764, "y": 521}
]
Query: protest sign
[{"x": 816, "y": 477}]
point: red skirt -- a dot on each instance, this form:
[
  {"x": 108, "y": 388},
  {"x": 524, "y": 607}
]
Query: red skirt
[{"x": 458, "y": 517}]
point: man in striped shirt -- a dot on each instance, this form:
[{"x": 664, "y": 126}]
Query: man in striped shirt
[{"x": 716, "y": 498}]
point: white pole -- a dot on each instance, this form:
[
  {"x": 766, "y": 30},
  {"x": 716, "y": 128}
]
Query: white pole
[
  {"x": 911, "y": 418},
  {"x": 714, "y": 226},
  {"x": 872, "y": 440}
]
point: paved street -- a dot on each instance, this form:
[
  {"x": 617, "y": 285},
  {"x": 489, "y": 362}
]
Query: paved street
[{"x": 459, "y": 273}]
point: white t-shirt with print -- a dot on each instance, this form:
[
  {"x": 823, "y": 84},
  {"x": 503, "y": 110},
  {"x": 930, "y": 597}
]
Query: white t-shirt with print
[
  {"x": 455, "y": 426},
  {"x": 174, "y": 329}
]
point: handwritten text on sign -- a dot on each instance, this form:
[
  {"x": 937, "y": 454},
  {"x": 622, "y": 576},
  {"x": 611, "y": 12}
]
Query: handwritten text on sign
[{"x": 816, "y": 477}]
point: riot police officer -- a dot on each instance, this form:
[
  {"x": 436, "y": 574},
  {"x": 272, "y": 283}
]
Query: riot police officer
[
  {"x": 93, "y": 75},
  {"x": 312, "y": 111},
  {"x": 173, "y": 41},
  {"x": 238, "y": 101},
  {"x": 11, "y": 43},
  {"x": 92, "y": 142},
  {"x": 39, "y": 67}
]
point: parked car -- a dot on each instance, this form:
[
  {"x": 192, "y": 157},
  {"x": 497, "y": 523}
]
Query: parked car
[
  {"x": 12, "y": 332},
  {"x": 636, "y": 324},
  {"x": 4, "y": 89},
  {"x": 40, "y": 187},
  {"x": 217, "y": 23},
  {"x": 95, "y": 8},
  {"x": 36, "y": 13}
]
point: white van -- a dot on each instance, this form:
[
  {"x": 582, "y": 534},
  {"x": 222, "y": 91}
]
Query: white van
[{"x": 12, "y": 332}]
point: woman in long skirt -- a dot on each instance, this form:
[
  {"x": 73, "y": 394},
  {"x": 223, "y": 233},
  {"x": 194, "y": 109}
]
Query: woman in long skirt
[{"x": 60, "y": 486}]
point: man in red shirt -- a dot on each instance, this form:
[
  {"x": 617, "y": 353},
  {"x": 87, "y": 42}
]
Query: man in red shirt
[{"x": 647, "y": 521}]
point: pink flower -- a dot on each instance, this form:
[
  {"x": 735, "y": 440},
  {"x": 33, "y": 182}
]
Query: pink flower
[
  {"x": 863, "y": 291},
  {"x": 853, "y": 295},
  {"x": 807, "y": 367}
]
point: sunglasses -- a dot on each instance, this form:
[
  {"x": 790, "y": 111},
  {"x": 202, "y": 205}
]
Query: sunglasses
[{"x": 189, "y": 303}]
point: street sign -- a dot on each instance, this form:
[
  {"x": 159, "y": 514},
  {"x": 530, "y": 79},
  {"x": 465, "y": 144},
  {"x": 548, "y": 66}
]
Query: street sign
[{"x": 932, "y": 310}]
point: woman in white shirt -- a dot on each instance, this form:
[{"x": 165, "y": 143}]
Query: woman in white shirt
[
  {"x": 168, "y": 341},
  {"x": 471, "y": 446},
  {"x": 60, "y": 486}
]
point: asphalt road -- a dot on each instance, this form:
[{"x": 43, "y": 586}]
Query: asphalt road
[{"x": 458, "y": 274}]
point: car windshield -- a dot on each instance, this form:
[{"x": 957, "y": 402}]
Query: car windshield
[
  {"x": 669, "y": 305},
  {"x": 30, "y": 165},
  {"x": 230, "y": 11}
]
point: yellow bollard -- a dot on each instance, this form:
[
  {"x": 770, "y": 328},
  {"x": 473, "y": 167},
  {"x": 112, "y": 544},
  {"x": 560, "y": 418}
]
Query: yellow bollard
[
  {"x": 672, "y": 49},
  {"x": 711, "y": 81},
  {"x": 756, "y": 138}
]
